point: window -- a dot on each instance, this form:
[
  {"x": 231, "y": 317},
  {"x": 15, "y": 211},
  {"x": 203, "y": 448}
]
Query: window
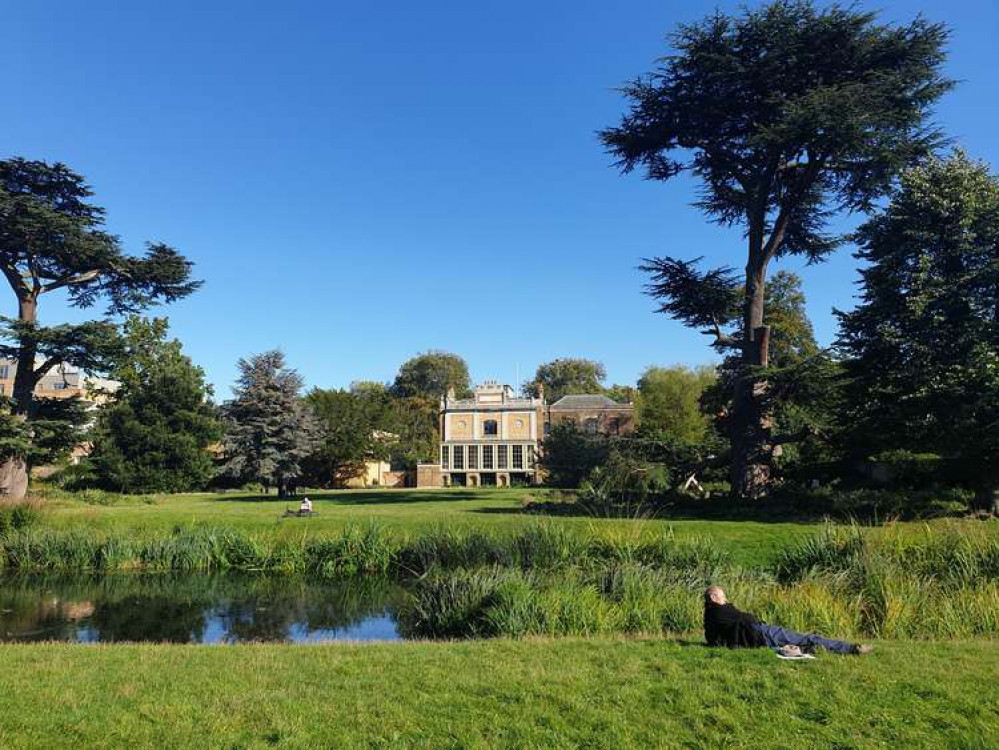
[
  {"x": 445, "y": 450},
  {"x": 4, "y": 372},
  {"x": 490, "y": 428},
  {"x": 518, "y": 457},
  {"x": 614, "y": 426},
  {"x": 591, "y": 426},
  {"x": 473, "y": 457},
  {"x": 501, "y": 451},
  {"x": 487, "y": 457},
  {"x": 459, "y": 457}
]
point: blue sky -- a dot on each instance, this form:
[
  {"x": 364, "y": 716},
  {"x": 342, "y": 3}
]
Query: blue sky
[{"x": 357, "y": 183}]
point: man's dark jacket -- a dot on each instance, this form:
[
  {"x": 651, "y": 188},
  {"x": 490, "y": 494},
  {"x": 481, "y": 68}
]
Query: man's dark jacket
[{"x": 724, "y": 625}]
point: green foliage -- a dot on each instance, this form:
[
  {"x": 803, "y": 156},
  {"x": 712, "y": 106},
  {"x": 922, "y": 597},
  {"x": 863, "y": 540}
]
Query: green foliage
[
  {"x": 786, "y": 114},
  {"x": 431, "y": 375},
  {"x": 924, "y": 342},
  {"x": 566, "y": 376},
  {"x": 669, "y": 401},
  {"x": 20, "y": 515},
  {"x": 570, "y": 454},
  {"x": 154, "y": 436},
  {"x": 346, "y": 426},
  {"x": 269, "y": 429}
]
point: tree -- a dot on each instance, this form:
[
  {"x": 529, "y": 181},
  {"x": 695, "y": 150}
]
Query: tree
[
  {"x": 622, "y": 394},
  {"x": 346, "y": 428},
  {"x": 155, "y": 435},
  {"x": 923, "y": 345},
  {"x": 669, "y": 401},
  {"x": 570, "y": 455},
  {"x": 270, "y": 430},
  {"x": 564, "y": 377},
  {"x": 52, "y": 238},
  {"x": 786, "y": 114},
  {"x": 430, "y": 375}
]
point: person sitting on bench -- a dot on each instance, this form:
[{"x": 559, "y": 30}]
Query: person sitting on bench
[{"x": 724, "y": 625}]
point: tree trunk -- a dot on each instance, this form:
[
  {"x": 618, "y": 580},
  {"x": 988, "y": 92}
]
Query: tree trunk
[
  {"x": 751, "y": 422},
  {"x": 987, "y": 499},
  {"x": 14, "y": 470},
  {"x": 24, "y": 377},
  {"x": 13, "y": 480}
]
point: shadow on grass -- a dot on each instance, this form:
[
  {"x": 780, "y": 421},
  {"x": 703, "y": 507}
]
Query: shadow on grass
[
  {"x": 350, "y": 497},
  {"x": 707, "y": 510}
]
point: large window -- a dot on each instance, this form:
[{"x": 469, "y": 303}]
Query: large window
[
  {"x": 445, "y": 452},
  {"x": 591, "y": 426},
  {"x": 487, "y": 457},
  {"x": 518, "y": 457},
  {"x": 4, "y": 372},
  {"x": 473, "y": 457},
  {"x": 459, "y": 458},
  {"x": 501, "y": 455},
  {"x": 490, "y": 428}
]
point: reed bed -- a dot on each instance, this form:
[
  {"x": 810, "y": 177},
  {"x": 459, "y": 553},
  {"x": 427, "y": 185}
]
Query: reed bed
[{"x": 545, "y": 579}]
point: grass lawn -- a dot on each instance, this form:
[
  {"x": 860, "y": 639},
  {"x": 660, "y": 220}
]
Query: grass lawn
[
  {"x": 406, "y": 512},
  {"x": 592, "y": 693}
]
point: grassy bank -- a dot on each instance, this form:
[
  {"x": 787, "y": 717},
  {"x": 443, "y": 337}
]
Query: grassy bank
[
  {"x": 406, "y": 513},
  {"x": 593, "y": 693},
  {"x": 547, "y": 579}
]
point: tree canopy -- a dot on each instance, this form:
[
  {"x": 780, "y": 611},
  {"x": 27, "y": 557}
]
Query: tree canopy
[
  {"x": 155, "y": 434},
  {"x": 431, "y": 375},
  {"x": 923, "y": 345},
  {"x": 785, "y": 114},
  {"x": 565, "y": 377},
  {"x": 269, "y": 429},
  {"x": 669, "y": 401},
  {"x": 52, "y": 238}
]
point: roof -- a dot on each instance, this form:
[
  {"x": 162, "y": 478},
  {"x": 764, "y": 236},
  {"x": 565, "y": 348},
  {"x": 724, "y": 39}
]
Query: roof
[{"x": 588, "y": 401}]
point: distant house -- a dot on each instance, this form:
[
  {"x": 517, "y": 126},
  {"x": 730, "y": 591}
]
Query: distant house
[
  {"x": 490, "y": 439},
  {"x": 593, "y": 414},
  {"x": 62, "y": 381},
  {"x": 495, "y": 438}
]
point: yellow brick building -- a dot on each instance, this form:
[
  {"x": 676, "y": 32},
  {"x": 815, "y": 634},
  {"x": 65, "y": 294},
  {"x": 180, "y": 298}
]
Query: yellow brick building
[{"x": 490, "y": 439}]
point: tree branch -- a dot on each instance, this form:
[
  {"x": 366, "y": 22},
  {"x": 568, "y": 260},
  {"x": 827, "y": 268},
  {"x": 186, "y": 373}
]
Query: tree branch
[{"x": 79, "y": 278}]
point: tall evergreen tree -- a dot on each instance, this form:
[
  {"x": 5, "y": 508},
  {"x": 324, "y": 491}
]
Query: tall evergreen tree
[
  {"x": 270, "y": 430},
  {"x": 923, "y": 345},
  {"x": 786, "y": 114},
  {"x": 52, "y": 238},
  {"x": 155, "y": 435}
]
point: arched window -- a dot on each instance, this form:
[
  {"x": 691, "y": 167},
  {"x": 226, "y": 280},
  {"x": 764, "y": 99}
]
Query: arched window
[
  {"x": 591, "y": 426},
  {"x": 490, "y": 428}
]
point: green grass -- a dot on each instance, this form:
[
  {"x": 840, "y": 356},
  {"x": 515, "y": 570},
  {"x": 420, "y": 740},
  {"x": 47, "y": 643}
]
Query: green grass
[
  {"x": 597, "y": 693},
  {"x": 405, "y": 512}
]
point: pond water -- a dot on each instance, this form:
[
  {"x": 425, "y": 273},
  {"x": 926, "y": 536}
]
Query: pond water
[{"x": 196, "y": 608}]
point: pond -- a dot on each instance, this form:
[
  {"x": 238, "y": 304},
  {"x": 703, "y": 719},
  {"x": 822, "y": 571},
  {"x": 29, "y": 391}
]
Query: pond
[{"x": 196, "y": 608}]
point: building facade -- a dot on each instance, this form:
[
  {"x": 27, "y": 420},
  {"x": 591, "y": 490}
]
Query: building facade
[
  {"x": 592, "y": 414},
  {"x": 62, "y": 381},
  {"x": 495, "y": 438},
  {"x": 490, "y": 439}
]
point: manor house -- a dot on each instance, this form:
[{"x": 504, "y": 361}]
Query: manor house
[{"x": 495, "y": 437}]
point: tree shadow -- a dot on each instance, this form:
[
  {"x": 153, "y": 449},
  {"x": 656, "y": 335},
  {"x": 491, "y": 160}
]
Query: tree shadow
[{"x": 347, "y": 498}]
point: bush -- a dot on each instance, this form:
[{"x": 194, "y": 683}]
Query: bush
[{"x": 21, "y": 515}]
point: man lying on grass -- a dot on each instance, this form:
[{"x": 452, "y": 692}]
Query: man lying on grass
[{"x": 724, "y": 625}]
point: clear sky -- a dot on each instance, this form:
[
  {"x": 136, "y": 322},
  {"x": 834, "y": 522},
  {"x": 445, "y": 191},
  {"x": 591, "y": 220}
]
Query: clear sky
[{"x": 360, "y": 182}]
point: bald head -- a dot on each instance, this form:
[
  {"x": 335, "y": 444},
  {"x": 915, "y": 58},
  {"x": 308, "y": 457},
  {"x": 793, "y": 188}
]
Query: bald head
[{"x": 715, "y": 595}]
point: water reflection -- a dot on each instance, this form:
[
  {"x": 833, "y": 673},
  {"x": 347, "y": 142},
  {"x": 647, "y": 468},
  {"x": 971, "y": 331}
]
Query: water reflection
[{"x": 196, "y": 609}]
